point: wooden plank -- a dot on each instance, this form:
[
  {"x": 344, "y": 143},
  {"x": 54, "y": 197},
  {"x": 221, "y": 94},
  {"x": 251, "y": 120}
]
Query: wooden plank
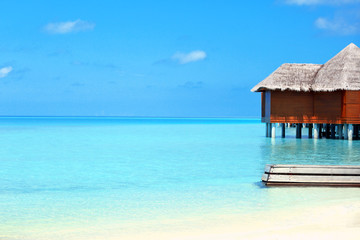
[
  {"x": 352, "y": 97},
  {"x": 313, "y": 179},
  {"x": 264, "y": 177},
  {"x": 267, "y": 168},
  {"x": 313, "y": 184},
  {"x": 329, "y": 171},
  {"x": 311, "y": 119},
  {"x": 313, "y": 166},
  {"x": 352, "y": 110},
  {"x": 291, "y": 103},
  {"x": 312, "y": 175},
  {"x": 327, "y": 104}
]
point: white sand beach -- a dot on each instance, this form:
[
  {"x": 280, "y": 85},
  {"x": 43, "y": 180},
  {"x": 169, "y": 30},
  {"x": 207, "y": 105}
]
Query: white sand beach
[
  {"x": 338, "y": 220},
  {"x": 332, "y": 221}
]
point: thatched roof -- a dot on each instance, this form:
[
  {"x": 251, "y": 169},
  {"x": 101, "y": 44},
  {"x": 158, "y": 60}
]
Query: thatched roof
[
  {"x": 290, "y": 76},
  {"x": 342, "y": 72}
]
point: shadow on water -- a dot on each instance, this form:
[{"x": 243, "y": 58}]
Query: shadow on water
[{"x": 260, "y": 184}]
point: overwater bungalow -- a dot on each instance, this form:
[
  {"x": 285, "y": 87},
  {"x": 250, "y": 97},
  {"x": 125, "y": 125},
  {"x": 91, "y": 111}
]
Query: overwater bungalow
[{"x": 323, "y": 97}]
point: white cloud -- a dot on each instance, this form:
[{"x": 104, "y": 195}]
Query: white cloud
[
  {"x": 68, "y": 27},
  {"x": 5, "y": 71},
  {"x": 337, "y": 26},
  {"x": 193, "y": 56},
  {"x": 320, "y": 2}
]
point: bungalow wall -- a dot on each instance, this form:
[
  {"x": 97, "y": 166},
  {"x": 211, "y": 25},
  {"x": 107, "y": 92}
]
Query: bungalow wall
[
  {"x": 311, "y": 107},
  {"x": 351, "y": 107}
]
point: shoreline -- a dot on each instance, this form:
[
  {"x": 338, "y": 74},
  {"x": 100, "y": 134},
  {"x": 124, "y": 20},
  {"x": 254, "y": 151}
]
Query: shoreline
[
  {"x": 330, "y": 221},
  {"x": 323, "y": 219}
]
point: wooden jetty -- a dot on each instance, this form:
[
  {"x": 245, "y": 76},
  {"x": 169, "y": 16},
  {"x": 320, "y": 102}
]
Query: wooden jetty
[{"x": 311, "y": 175}]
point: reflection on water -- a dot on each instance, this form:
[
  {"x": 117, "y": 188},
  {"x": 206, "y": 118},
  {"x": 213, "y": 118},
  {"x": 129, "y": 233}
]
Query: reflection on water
[{"x": 311, "y": 151}]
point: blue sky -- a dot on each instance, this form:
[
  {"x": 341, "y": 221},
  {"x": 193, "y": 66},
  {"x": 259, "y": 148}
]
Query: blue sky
[{"x": 159, "y": 58}]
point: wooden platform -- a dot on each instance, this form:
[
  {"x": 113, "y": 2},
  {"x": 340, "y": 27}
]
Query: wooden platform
[{"x": 312, "y": 175}]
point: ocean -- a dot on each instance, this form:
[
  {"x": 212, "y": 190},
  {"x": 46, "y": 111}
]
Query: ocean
[{"x": 96, "y": 178}]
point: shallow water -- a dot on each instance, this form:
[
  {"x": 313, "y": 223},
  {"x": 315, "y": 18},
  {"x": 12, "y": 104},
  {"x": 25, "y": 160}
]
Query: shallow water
[{"x": 63, "y": 178}]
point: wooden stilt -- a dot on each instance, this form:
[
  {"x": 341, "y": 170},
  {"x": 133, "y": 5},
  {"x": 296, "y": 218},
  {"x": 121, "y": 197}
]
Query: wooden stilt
[
  {"x": 333, "y": 131},
  {"x": 273, "y": 130},
  {"x": 270, "y": 125},
  {"x": 346, "y": 131},
  {"x": 327, "y": 130},
  {"x": 350, "y": 132},
  {"x": 332, "y": 128},
  {"x": 340, "y": 131},
  {"x": 267, "y": 129},
  {"x": 316, "y": 130},
  {"x": 298, "y": 130},
  {"x": 283, "y": 130},
  {"x": 356, "y": 132}
]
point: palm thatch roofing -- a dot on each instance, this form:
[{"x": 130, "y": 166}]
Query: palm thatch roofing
[{"x": 342, "y": 72}]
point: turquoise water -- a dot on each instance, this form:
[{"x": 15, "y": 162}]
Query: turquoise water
[{"x": 75, "y": 176}]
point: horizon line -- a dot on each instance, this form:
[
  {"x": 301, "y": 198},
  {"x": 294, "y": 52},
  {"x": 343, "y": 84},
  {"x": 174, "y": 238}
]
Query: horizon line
[{"x": 93, "y": 116}]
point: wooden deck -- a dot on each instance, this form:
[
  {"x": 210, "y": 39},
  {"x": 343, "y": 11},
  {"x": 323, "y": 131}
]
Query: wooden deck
[{"x": 312, "y": 175}]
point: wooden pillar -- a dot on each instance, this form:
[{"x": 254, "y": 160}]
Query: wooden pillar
[
  {"x": 273, "y": 130},
  {"x": 346, "y": 131},
  {"x": 350, "y": 132},
  {"x": 283, "y": 130},
  {"x": 310, "y": 130},
  {"x": 267, "y": 129},
  {"x": 320, "y": 130},
  {"x": 298, "y": 130},
  {"x": 316, "y": 130},
  {"x": 340, "y": 130},
  {"x": 270, "y": 125},
  {"x": 356, "y": 132},
  {"x": 327, "y": 130},
  {"x": 332, "y": 128}
]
